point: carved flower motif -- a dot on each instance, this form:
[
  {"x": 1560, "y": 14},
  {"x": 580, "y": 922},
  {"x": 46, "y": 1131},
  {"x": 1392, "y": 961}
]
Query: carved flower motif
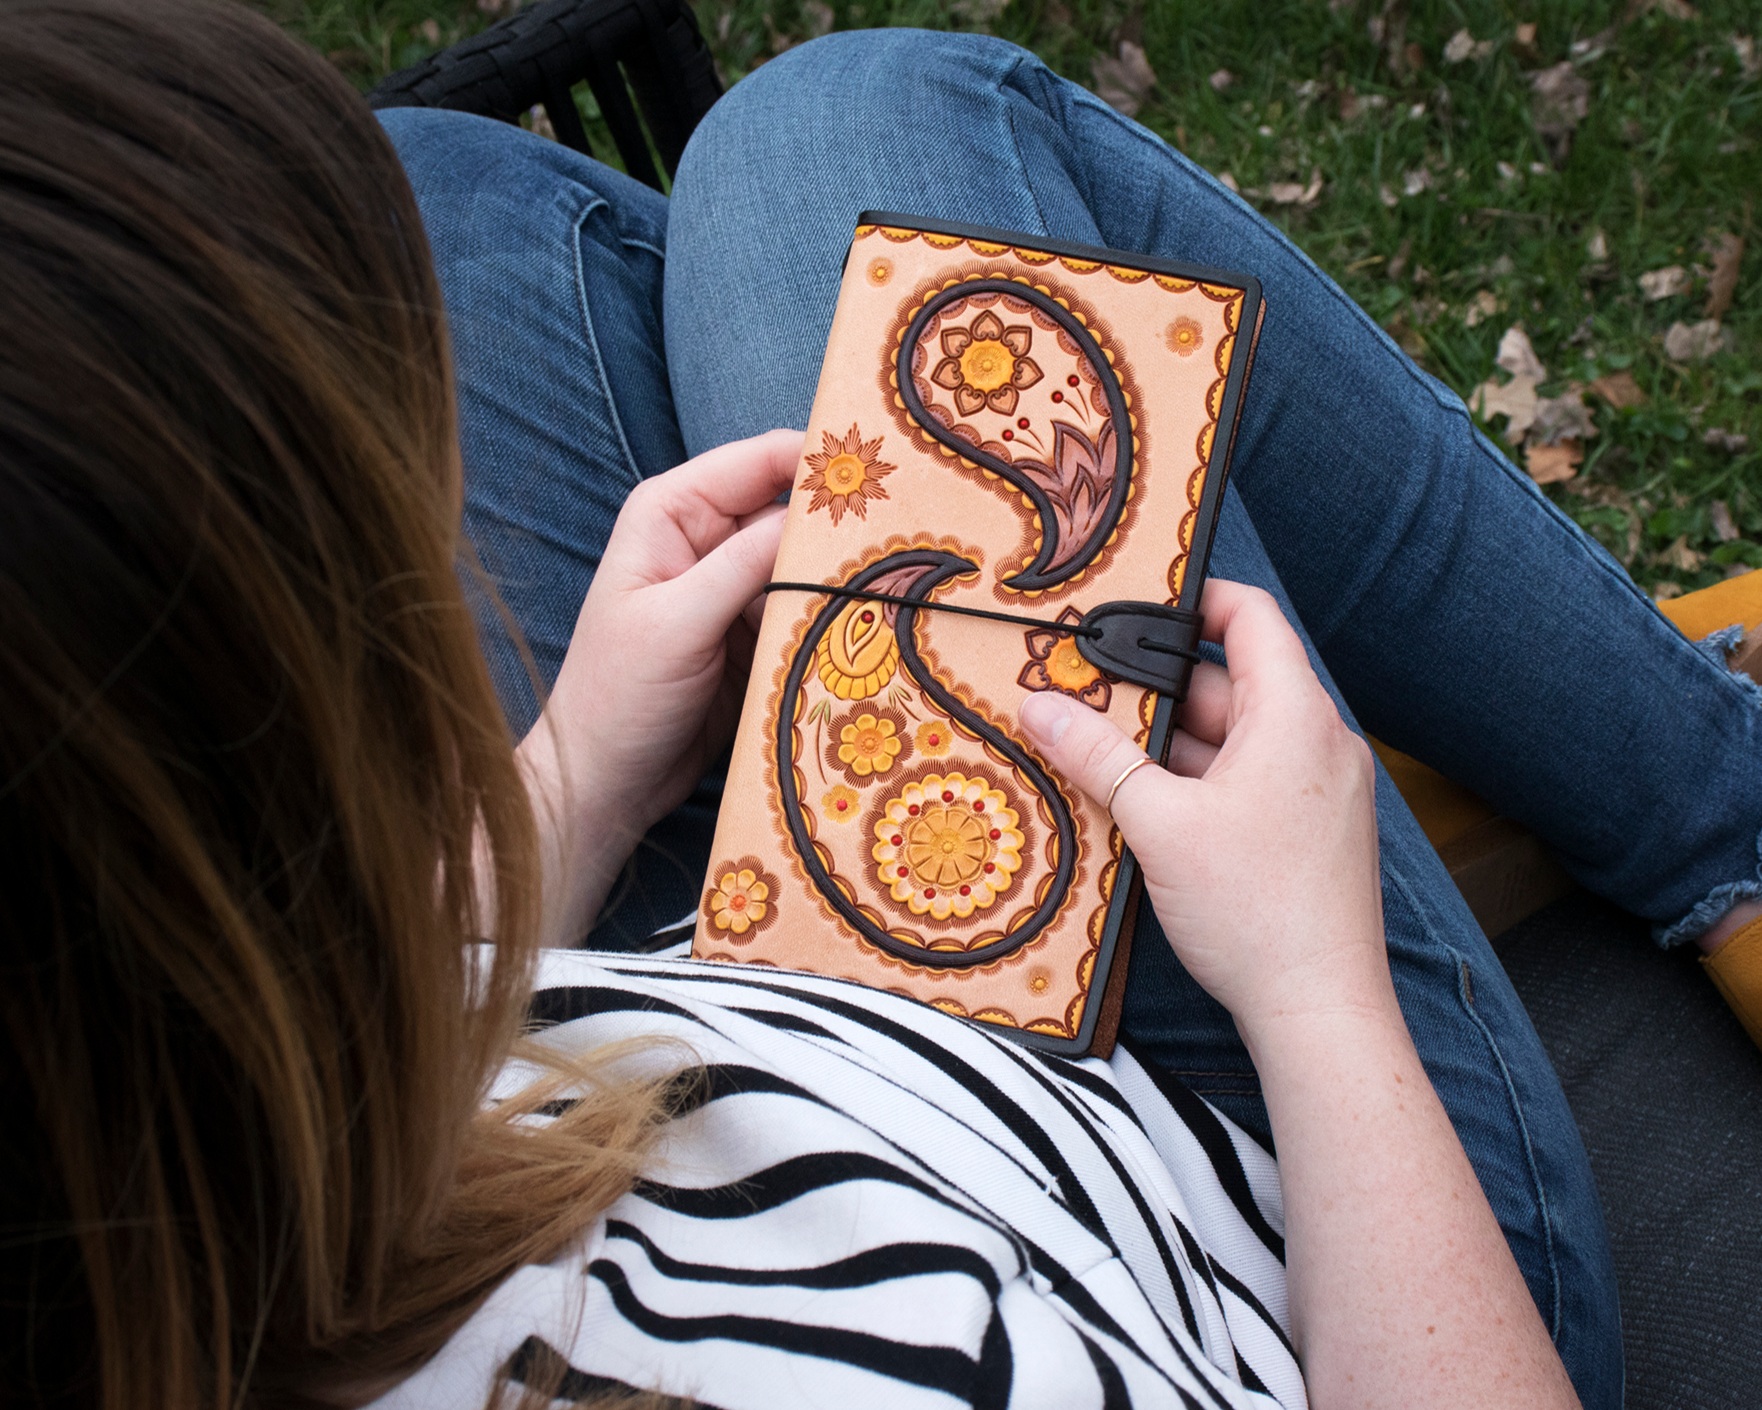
[
  {"x": 740, "y": 900},
  {"x": 1184, "y": 337},
  {"x": 846, "y": 473},
  {"x": 986, "y": 365},
  {"x": 840, "y": 802},
  {"x": 869, "y": 745},
  {"x": 1055, "y": 663},
  {"x": 933, "y": 738},
  {"x": 948, "y": 845},
  {"x": 859, "y": 652}
]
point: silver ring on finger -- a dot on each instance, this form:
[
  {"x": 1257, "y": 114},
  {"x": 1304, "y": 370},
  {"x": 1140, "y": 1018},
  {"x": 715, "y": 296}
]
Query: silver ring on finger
[{"x": 1130, "y": 769}]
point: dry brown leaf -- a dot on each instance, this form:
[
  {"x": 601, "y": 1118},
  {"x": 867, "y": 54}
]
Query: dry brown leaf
[
  {"x": 1516, "y": 401},
  {"x": 1664, "y": 283},
  {"x": 1731, "y": 442},
  {"x": 1517, "y": 357},
  {"x": 1724, "y": 529},
  {"x": 1693, "y": 342},
  {"x": 1523, "y": 39},
  {"x": 1618, "y": 389},
  {"x": 1727, "y": 252},
  {"x": 1124, "y": 82},
  {"x": 1562, "y": 418},
  {"x": 1463, "y": 46},
  {"x": 1665, "y": 591},
  {"x": 1749, "y": 61},
  {"x": 1387, "y": 196},
  {"x": 1681, "y": 557},
  {"x": 1550, "y": 465},
  {"x": 979, "y": 12},
  {"x": 1480, "y": 308},
  {"x": 1228, "y": 178},
  {"x": 1418, "y": 180},
  {"x": 1597, "y": 247},
  {"x": 1295, "y": 193},
  {"x": 1220, "y": 80},
  {"x": 1676, "y": 9},
  {"x": 818, "y": 18},
  {"x": 1559, "y": 100},
  {"x": 429, "y": 32}
]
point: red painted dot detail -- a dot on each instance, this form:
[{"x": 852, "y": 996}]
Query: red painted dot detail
[
  {"x": 897, "y": 840},
  {"x": 995, "y": 834},
  {"x": 991, "y": 866},
  {"x": 841, "y": 805},
  {"x": 966, "y": 891},
  {"x": 929, "y": 892},
  {"x": 905, "y": 871},
  {"x": 1008, "y": 434},
  {"x": 948, "y": 795},
  {"x": 1058, "y": 396},
  {"x": 867, "y": 617},
  {"x": 1022, "y": 421},
  {"x": 978, "y": 805},
  {"x": 913, "y": 810},
  {"x": 1073, "y": 379}
]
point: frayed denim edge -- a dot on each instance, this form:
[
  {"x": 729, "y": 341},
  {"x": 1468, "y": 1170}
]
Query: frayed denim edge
[{"x": 1711, "y": 909}]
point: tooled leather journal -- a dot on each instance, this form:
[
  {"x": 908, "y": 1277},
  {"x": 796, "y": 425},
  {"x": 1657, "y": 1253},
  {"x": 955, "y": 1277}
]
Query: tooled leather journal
[{"x": 1011, "y": 476}]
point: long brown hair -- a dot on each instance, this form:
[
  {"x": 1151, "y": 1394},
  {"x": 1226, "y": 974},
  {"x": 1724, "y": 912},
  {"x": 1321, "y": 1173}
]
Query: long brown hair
[{"x": 247, "y": 747}]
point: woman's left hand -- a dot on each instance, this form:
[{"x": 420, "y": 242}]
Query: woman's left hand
[{"x": 651, "y": 687}]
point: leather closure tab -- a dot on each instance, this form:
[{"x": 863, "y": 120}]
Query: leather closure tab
[{"x": 1143, "y": 642}]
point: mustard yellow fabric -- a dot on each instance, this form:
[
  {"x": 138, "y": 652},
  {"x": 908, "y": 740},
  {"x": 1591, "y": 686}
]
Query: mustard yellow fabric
[
  {"x": 1736, "y": 600},
  {"x": 1736, "y": 970}
]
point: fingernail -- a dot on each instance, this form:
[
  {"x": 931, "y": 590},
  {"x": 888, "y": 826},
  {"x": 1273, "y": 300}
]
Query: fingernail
[{"x": 1046, "y": 715}]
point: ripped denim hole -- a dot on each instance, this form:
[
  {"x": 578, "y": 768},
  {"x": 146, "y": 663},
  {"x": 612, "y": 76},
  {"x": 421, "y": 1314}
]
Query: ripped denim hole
[{"x": 1712, "y": 908}]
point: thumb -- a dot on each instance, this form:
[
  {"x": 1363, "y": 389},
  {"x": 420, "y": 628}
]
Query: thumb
[{"x": 1093, "y": 753}]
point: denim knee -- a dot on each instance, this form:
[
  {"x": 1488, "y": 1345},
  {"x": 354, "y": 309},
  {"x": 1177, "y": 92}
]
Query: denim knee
[{"x": 473, "y": 170}]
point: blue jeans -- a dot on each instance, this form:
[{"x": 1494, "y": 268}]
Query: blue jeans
[{"x": 1450, "y": 608}]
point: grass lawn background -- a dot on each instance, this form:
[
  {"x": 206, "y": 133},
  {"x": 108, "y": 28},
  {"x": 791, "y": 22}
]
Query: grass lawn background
[{"x": 1456, "y": 170}]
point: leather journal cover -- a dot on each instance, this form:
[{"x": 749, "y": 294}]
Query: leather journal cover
[{"x": 1010, "y": 481}]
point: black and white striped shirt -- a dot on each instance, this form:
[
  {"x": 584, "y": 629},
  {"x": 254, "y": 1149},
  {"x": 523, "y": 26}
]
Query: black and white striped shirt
[{"x": 877, "y": 1205}]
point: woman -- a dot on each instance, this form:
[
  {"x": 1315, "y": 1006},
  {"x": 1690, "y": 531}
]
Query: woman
[{"x": 262, "y": 804}]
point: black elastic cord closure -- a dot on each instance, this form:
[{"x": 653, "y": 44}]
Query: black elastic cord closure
[{"x": 864, "y": 595}]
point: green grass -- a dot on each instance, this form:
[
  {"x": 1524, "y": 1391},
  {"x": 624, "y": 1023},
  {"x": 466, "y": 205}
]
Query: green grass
[{"x": 1669, "y": 152}]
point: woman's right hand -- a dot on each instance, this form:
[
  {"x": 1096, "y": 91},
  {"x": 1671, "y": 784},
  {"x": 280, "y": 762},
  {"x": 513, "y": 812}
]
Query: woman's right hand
[
  {"x": 1259, "y": 844},
  {"x": 1259, "y": 851}
]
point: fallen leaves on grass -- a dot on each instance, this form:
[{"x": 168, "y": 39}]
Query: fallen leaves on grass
[
  {"x": 1518, "y": 356},
  {"x": 1749, "y": 61},
  {"x": 1296, "y": 193},
  {"x": 1516, "y": 401},
  {"x": 1618, "y": 389},
  {"x": 1220, "y": 80},
  {"x": 1693, "y": 342},
  {"x": 1724, "y": 528},
  {"x": 1418, "y": 180},
  {"x": 1727, "y": 251},
  {"x": 1664, "y": 283},
  {"x": 1480, "y": 308},
  {"x": 1560, "y": 420},
  {"x": 1560, "y": 99},
  {"x": 818, "y": 19},
  {"x": 1681, "y": 557},
  {"x": 1550, "y": 465},
  {"x": 1731, "y": 442},
  {"x": 1550, "y": 431},
  {"x": 1125, "y": 81},
  {"x": 1463, "y": 46}
]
